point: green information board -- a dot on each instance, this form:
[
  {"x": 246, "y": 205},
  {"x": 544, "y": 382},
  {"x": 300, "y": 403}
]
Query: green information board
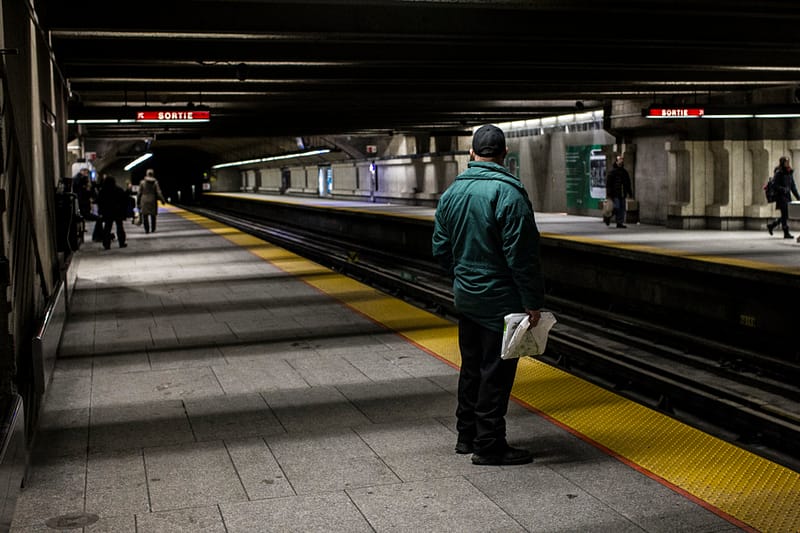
[{"x": 586, "y": 176}]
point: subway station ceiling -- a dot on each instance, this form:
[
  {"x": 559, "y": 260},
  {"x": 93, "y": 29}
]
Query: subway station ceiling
[{"x": 301, "y": 68}]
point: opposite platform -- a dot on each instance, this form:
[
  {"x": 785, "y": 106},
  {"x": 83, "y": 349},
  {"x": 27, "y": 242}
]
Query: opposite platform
[
  {"x": 745, "y": 248},
  {"x": 208, "y": 381}
]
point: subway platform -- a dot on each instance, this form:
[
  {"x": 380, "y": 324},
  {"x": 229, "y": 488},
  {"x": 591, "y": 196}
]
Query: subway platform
[{"x": 210, "y": 382}]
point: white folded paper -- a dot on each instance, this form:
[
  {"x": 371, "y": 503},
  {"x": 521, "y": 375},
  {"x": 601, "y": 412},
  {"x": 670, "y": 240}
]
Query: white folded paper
[{"x": 520, "y": 339}]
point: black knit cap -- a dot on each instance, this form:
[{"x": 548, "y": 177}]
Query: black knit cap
[{"x": 489, "y": 141}]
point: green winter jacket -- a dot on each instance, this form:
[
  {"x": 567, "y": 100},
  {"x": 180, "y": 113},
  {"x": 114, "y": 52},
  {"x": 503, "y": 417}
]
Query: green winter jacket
[{"x": 486, "y": 237}]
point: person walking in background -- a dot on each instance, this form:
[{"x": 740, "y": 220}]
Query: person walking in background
[
  {"x": 97, "y": 186},
  {"x": 112, "y": 202},
  {"x": 784, "y": 179},
  {"x": 486, "y": 237},
  {"x": 82, "y": 187},
  {"x": 131, "y": 213},
  {"x": 618, "y": 189},
  {"x": 147, "y": 200}
]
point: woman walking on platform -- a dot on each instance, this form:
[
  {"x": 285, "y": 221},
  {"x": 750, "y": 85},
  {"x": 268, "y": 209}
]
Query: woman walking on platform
[
  {"x": 148, "y": 196},
  {"x": 784, "y": 179}
]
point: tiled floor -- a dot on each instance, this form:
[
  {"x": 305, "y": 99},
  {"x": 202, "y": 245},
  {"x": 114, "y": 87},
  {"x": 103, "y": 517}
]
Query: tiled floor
[{"x": 201, "y": 389}]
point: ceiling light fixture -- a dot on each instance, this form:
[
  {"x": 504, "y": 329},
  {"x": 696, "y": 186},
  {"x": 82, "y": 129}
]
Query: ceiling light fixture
[
  {"x": 272, "y": 158},
  {"x": 140, "y": 159}
]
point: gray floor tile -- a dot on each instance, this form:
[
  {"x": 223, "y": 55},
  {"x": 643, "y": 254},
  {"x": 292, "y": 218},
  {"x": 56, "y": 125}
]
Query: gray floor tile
[
  {"x": 195, "y": 520},
  {"x": 451, "y": 504},
  {"x": 418, "y": 436},
  {"x": 191, "y": 475},
  {"x": 126, "y": 425},
  {"x": 313, "y": 408},
  {"x": 73, "y": 367},
  {"x": 61, "y": 432},
  {"x": 170, "y": 384},
  {"x": 644, "y": 501},
  {"x": 69, "y": 393},
  {"x": 185, "y": 357},
  {"x": 543, "y": 501},
  {"x": 243, "y": 353},
  {"x": 328, "y": 460},
  {"x": 54, "y": 487},
  {"x": 259, "y": 471},
  {"x": 203, "y": 333},
  {"x": 376, "y": 365},
  {"x": 328, "y": 371},
  {"x": 117, "y": 524},
  {"x": 120, "y": 363},
  {"x": 325, "y": 513},
  {"x": 255, "y": 377},
  {"x": 396, "y": 400},
  {"x": 162, "y": 336},
  {"x": 315, "y": 475},
  {"x": 231, "y": 417},
  {"x": 116, "y": 484}
]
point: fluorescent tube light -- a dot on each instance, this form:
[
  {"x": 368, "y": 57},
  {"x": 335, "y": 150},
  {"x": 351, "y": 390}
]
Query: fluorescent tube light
[
  {"x": 101, "y": 121},
  {"x": 141, "y": 158},
  {"x": 271, "y": 158}
]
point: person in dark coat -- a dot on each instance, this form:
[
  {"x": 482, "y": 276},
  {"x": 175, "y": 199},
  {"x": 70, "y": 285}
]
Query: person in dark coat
[
  {"x": 82, "y": 187},
  {"x": 112, "y": 202},
  {"x": 618, "y": 188},
  {"x": 784, "y": 179},
  {"x": 148, "y": 196},
  {"x": 485, "y": 236}
]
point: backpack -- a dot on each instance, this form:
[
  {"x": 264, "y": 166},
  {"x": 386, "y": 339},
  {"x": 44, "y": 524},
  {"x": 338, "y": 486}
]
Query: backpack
[{"x": 771, "y": 190}]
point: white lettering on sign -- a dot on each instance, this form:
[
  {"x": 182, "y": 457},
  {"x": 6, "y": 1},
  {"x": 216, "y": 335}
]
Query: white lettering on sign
[
  {"x": 174, "y": 115},
  {"x": 676, "y": 112}
]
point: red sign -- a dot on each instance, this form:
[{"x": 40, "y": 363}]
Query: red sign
[
  {"x": 173, "y": 116},
  {"x": 675, "y": 112}
]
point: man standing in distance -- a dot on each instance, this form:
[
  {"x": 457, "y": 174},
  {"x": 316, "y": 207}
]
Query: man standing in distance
[
  {"x": 486, "y": 237},
  {"x": 618, "y": 189}
]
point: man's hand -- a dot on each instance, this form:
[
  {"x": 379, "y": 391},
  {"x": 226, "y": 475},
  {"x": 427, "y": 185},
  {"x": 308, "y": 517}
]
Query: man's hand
[{"x": 533, "y": 316}]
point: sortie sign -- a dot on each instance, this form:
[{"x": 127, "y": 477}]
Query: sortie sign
[
  {"x": 675, "y": 112},
  {"x": 173, "y": 116}
]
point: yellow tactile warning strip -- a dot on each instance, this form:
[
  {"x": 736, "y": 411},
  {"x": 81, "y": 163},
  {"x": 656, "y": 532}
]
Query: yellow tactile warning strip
[
  {"x": 729, "y": 261},
  {"x": 751, "y": 492}
]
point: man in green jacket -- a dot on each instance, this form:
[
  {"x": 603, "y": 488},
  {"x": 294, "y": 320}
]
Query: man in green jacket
[{"x": 486, "y": 237}]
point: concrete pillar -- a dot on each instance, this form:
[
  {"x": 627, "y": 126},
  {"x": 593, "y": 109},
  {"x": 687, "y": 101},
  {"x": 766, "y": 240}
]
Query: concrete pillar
[{"x": 690, "y": 171}]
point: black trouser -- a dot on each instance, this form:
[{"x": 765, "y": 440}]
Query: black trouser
[
  {"x": 783, "y": 220},
  {"x": 107, "y": 224},
  {"x": 620, "y": 208},
  {"x": 149, "y": 222},
  {"x": 484, "y": 387}
]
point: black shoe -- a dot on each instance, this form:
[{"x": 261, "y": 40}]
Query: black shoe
[
  {"x": 769, "y": 228},
  {"x": 621, "y": 226},
  {"x": 464, "y": 447},
  {"x": 511, "y": 456},
  {"x": 788, "y": 236},
  {"x": 123, "y": 245},
  {"x": 607, "y": 220}
]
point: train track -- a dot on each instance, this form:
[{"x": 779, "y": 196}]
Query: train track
[{"x": 741, "y": 396}]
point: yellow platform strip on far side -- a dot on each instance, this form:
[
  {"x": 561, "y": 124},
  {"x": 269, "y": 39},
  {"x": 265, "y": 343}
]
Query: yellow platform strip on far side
[
  {"x": 750, "y": 491},
  {"x": 653, "y": 250}
]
